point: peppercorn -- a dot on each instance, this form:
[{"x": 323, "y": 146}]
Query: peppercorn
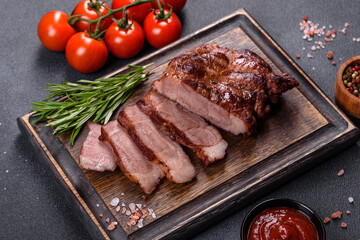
[{"x": 351, "y": 79}]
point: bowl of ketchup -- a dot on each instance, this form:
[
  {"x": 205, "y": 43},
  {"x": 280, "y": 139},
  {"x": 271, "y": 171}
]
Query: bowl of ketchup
[{"x": 283, "y": 219}]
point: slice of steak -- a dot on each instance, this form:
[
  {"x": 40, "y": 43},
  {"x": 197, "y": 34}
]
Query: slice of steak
[
  {"x": 94, "y": 154},
  {"x": 131, "y": 161},
  {"x": 184, "y": 127},
  {"x": 157, "y": 146},
  {"x": 229, "y": 88}
]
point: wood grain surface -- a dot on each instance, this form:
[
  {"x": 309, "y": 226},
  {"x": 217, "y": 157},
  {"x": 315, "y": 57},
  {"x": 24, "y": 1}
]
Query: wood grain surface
[
  {"x": 295, "y": 136},
  {"x": 292, "y": 119}
]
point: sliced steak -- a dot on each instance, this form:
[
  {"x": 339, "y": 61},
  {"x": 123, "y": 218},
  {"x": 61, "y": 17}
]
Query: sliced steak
[
  {"x": 131, "y": 161},
  {"x": 157, "y": 146},
  {"x": 94, "y": 154},
  {"x": 230, "y": 88},
  {"x": 184, "y": 127}
]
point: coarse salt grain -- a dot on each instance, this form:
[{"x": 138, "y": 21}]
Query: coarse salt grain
[
  {"x": 112, "y": 226},
  {"x": 351, "y": 199},
  {"x": 150, "y": 210},
  {"x": 118, "y": 208},
  {"x": 132, "y": 206},
  {"x": 123, "y": 204},
  {"x": 123, "y": 210},
  {"x": 122, "y": 194},
  {"x": 97, "y": 205},
  {"x": 107, "y": 220},
  {"x": 139, "y": 205},
  {"x": 140, "y": 223},
  {"x": 115, "y": 202},
  {"x": 348, "y": 212},
  {"x": 153, "y": 215},
  {"x": 128, "y": 213},
  {"x": 310, "y": 56}
]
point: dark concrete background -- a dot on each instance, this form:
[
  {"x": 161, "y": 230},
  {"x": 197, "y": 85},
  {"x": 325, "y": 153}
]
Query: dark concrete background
[{"x": 31, "y": 205}]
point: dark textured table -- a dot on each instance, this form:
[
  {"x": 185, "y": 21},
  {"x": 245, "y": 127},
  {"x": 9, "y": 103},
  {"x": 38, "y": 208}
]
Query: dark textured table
[{"x": 31, "y": 205}]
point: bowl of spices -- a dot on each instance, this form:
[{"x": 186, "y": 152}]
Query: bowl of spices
[
  {"x": 347, "y": 87},
  {"x": 282, "y": 219}
]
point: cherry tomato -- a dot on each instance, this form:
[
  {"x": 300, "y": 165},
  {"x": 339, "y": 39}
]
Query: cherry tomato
[
  {"x": 54, "y": 30},
  {"x": 83, "y": 8},
  {"x": 86, "y": 54},
  {"x": 162, "y": 32},
  {"x": 124, "y": 43},
  {"x": 176, "y": 5},
  {"x": 136, "y": 13}
]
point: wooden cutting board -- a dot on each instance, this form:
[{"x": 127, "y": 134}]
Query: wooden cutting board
[{"x": 303, "y": 129}]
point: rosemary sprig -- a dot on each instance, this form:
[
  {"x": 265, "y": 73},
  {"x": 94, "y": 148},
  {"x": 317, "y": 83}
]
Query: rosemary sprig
[{"x": 85, "y": 100}]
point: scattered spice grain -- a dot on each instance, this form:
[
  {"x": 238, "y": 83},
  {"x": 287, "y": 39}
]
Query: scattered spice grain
[
  {"x": 334, "y": 215},
  {"x": 326, "y": 220},
  {"x": 330, "y": 55},
  {"x": 112, "y": 226},
  {"x": 140, "y": 223},
  {"x": 348, "y": 212},
  {"x": 132, "y": 207},
  {"x": 297, "y": 56},
  {"x": 343, "y": 225},
  {"x": 341, "y": 172},
  {"x": 107, "y": 220},
  {"x": 333, "y": 63},
  {"x": 114, "y": 202},
  {"x": 101, "y": 215},
  {"x": 339, "y": 213}
]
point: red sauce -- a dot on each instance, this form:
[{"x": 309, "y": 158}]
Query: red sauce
[{"x": 281, "y": 223}]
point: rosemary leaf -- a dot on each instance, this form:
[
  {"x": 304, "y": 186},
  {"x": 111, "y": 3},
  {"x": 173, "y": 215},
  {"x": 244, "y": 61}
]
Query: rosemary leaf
[{"x": 85, "y": 100}]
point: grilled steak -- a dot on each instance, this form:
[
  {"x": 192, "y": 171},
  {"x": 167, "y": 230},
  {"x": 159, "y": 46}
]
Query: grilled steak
[
  {"x": 230, "y": 88},
  {"x": 184, "y": 127},
  {"x": 94, "y": 154},
  {"x": 157, "y": 146},
  {"x": 134, "y": 165}
]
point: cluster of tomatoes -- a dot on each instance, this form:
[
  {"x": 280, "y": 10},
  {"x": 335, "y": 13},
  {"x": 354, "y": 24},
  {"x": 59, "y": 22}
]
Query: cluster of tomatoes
[{"x": 94, "y": 28}]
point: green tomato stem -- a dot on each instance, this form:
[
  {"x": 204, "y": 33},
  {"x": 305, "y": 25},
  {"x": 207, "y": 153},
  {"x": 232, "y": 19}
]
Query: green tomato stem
[{"x": 73, "y": 20}]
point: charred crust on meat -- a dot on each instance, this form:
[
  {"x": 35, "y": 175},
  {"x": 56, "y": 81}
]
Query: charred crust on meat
[{"x": 240, "y": 81}]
